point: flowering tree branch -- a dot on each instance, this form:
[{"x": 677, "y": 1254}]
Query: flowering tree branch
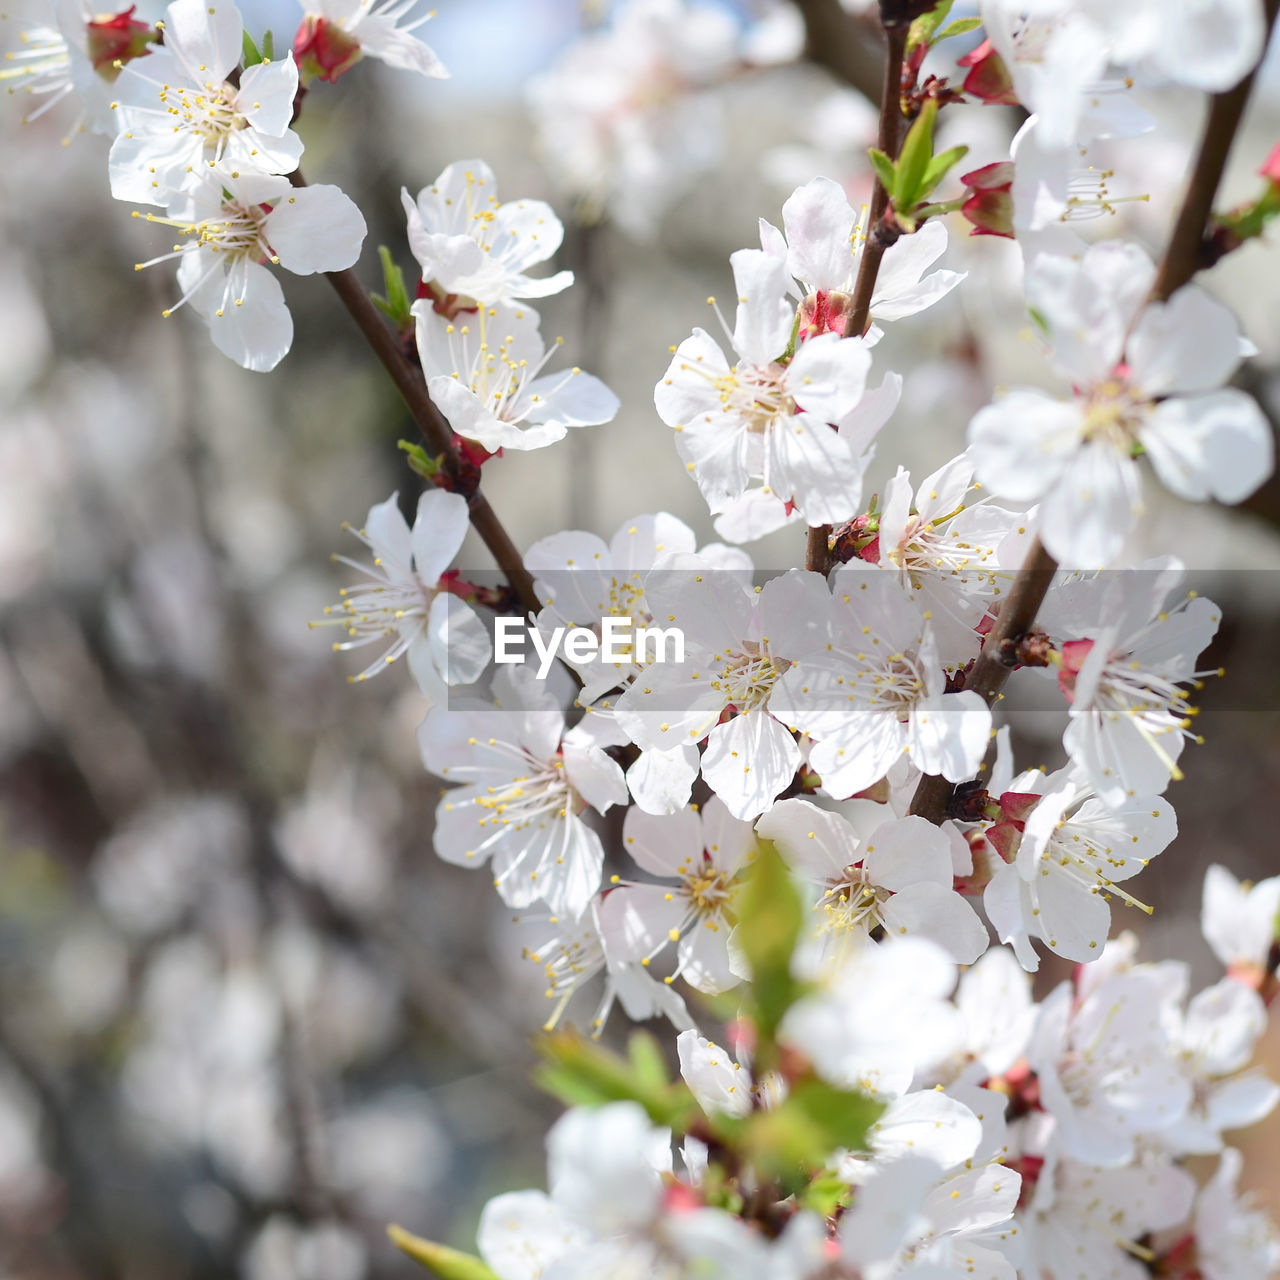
[
  {"x": 818, "y": 543},
  {"x": 432, "y": 424},
  {"x": 1182, "y": 260}
]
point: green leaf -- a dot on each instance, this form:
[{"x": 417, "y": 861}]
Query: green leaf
[
  {"x": 646, "y": 1056},
  {"x": 446, "y": 1263},
  {"x": 913, "y": 162},
  {"x": 582, "y": 1073},
  {"x": 395, "y": 304},
  {"x": 923, "y": 28},
  {"x": 268, "y": 47},
  {"x": 938, "y": 169},
  {"x": 960, "y": 27},
  {"x": 771, "y": 916},
  {"x": 420, "y": 461},
  {"x": 825, "y": 1194},
  {"x": 251, "y": 55},
  {"x": 885, "y": 169}
]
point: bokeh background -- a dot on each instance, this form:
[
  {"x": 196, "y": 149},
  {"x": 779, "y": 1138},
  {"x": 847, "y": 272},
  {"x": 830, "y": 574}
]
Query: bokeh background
[{"x": 246, "y": 1017}]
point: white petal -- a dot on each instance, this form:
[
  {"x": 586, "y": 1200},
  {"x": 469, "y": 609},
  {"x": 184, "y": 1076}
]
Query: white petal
[
  {"x": 266, "y": 95},
  {"x": 439, "y": 526},
  {"x": 748, "y": 761},
  {"x": 316, "y": 229},
  {"x": 1190, "y": 343},
  {"x": 765, "y": 315}
]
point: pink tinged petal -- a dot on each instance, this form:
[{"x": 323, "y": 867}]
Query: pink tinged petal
[
  {"x": 943, "y": 917},
  {"x": 950, "y": 734},
  {"x": 819, "y": 223},
  {"x": 459, "y": 641},
  {"x": 206, "y": 38},
  {"x": 1096, "y": 503},
  {"x": 439, "y": 526},
  {"x": 380, "y": 38},
  {"x": 571, "y": 399},
  {"x": 748, "y": 761},
  {"x": 266, "y": 95},
  {"x": 662, "y": 781},
  {"x": 1211, "y": 446},
  {"x": 1022, "y": 444},
  {"x": 1190, "y": 343},
  {"x": 765, "y": 314},
  {"x": 316, "y": 229},
  {"x": 663, "y": 846},
  {"x": 828, "y": 376},
  {"x": 817, "y": 843},
  {"x": 637, "y": 920},
  {"x": 257, "y": 333}
]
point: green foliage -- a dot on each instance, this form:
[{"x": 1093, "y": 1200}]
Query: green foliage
[
  {"x": 917, "y": 172},
  {"x": 253, "y": 54},
  {"x": 960, "y": 27},
  {"x": 583, "y": 1073},
  {"x": 448, "y": 1264},
  {"x": 394, "y": 303},
  {"x": 924, "y": 28},
  {"x": 420, "y": 461},
  {"x": 771, "y": 916}
]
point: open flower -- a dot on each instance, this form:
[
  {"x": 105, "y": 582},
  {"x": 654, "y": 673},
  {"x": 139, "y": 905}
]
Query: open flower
[
  {"x": 233, "y": 228},
  {"x": 475, "y": 249},
  {"x": 525, "y": 786},
  {"x": 403, "y": 600},
  {"x": 1146, "y": 380},
  {"x": 876, "y": 690},
  {"x": 336, "y": 34},
  {"x": 180, "y": 115},
  {"x": 485, "y": 371},
  {"x": 767, "y": 415}
]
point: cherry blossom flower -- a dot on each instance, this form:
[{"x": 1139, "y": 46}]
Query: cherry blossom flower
[
  {"x": 336, "y": 34},
  {"x": 1239, "y": 921},
  {"x": 525, "y": 784},
  {"x": 180, "y": 115},
  {"x": 485, "y": 371},
  {"x": 1065, "y": 854},
  {"x": 821, "y": 244},
  {"x": 403, "y": 599},
  {"x": 898, "y": 881},
  {"x": 232, "y": 228},
  {"x": 698, "y": 856},
  {"x": 715, "y": 1079},
  {"x": 1233, "y": 1239},
  {"x": 876, "y": 690},
  {"x": 1146, "y": 380},
  {"x": 475, "y": 251},
  {"x": 1106, "y": 1069},
  {"x": 737, "y": 646},
  {"x": 765, "y": 415}
]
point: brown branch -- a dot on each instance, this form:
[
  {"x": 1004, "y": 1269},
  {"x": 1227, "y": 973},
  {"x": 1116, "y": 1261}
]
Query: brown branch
[
  {"x": 817, "y": 552},
  {"x": 1181, "y": 261},
  {"x": 432, "y": 424},
  {"x": 847, "y": 48}
]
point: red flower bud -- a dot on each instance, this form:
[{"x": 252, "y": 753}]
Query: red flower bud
[
  {"x": 1271, "y": 170},
  {"x": 323, "y": 50},
  {"x": 824, "y": 312},
  {"x": 117, "y": 37},
  {"x": 988, "y": 77}
]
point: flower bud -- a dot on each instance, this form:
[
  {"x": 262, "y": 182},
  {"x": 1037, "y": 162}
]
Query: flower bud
[
  {"x": 323, "y": 50},
  {"x": 988, "y": 78},
  {"x": 990, "y": 204},
  {"x": 116, "y": 38}
]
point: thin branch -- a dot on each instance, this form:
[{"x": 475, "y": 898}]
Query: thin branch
[
  {"x": 845, "y": 47},
  {"x": 817, "y": 554},
  {"x": 1018, "y": 612},
  {"x": 432, "y": 424}
]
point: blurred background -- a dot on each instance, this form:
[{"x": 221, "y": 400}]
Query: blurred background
[{"x": 246, "y": 1016}]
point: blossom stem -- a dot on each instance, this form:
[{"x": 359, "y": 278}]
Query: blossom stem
[
  {"x": 1181, "y": 262},
  {"x": 1185, "y": 255},
  {"x": 433, "y": 425},
  {"x": 817, "y": 555}
]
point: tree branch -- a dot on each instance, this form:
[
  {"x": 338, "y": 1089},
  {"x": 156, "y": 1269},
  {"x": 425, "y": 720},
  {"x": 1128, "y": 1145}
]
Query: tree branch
[
  {"x": 846, "y": 48},
  {"x": 817, "y": 554},
  {"x": 1181, "y": 261},
  {"x": 432, "y": 424}
]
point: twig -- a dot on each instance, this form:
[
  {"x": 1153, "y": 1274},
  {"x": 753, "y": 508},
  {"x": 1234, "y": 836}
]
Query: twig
[
  {"x": 1181, "y": 261},
  {"x": 817, "y": 555},
  {"x": 844, "y": 47},
  {"x": 431, "y": 423}
]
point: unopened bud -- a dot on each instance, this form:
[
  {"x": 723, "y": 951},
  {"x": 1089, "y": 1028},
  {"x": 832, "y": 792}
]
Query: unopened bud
[
  {"x": 323, "y": 50},
  {"x": 988, "y": 79},
  {"x": 116, "y": 38}
]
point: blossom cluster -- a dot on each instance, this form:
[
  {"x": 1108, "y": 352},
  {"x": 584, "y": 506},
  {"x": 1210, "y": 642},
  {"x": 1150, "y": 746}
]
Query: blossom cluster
[{"x": 1001, "y": 1136}]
